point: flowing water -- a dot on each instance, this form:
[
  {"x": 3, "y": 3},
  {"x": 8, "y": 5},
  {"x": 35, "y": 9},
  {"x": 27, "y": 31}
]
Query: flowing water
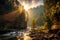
[{"x": 19, "y": 35}]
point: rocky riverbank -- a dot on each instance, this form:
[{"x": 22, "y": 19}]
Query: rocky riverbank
[{"x": 40, "y": 35}]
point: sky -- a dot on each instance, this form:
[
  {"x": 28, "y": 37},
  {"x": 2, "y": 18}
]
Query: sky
[{"x": 30, "y": 3}]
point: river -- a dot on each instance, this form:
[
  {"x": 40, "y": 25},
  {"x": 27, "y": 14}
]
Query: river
[{"x": 17, "y": 34}]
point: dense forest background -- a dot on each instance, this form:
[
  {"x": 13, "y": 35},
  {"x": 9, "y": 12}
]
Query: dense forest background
[{"x": 52, "y": 11}]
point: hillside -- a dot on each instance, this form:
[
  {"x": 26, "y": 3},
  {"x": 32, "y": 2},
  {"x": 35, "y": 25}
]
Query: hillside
[{"x": 12, "y": 15}]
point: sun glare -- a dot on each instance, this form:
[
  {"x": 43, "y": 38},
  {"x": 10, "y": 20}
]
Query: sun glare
[{"x": 26, "y": 7}]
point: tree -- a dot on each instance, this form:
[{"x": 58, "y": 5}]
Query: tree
[{"x": 52, "y": 10}]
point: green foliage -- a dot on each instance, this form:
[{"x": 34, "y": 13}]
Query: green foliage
[
  {"x": 49, "y": 22},
  {"x": 10, "y": 4},
  {"x": 33, "y": 22},
  {"x": 51, "y": 7}
]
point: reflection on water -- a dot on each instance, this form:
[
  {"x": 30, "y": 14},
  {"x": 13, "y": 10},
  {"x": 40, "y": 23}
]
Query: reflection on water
[
  {"x": 26, "y": 36},
  {"x": 31, "y": 35},
  {"x": 16, "y": 35}
]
